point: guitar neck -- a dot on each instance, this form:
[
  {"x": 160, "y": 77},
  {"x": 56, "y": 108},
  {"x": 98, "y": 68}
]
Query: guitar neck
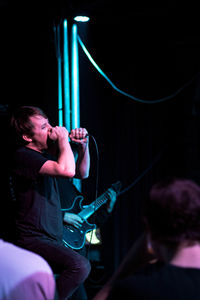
[{"x": 91, "y": 208}]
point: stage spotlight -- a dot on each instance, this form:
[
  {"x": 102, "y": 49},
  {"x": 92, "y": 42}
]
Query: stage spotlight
[{"x": 81, "y": 19}]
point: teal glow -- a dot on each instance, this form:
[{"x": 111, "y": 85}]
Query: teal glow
[
  {"x": 66, "y": 80},
  {"x": 75, "y": 79},
  {"x": 75, "y": 88},
  {"x": 60, "y": 100},
  {"x": 81, "y": 19}
]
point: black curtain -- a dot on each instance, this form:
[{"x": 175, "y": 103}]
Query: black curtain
[{"x": 147, "y": 56}]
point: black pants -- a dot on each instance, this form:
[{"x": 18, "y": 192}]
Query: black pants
[
  {"x": 71, "y": 267},
  {"x": 79, "y": 294}
]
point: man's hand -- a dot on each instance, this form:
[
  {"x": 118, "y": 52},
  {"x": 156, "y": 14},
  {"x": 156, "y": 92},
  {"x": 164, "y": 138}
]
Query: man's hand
[
  {"x": 58, "y": 133},
  {"x": 79, "y": 136},
  {"x": 73, "y": 219},
  {"x": 112, "y": 199}
]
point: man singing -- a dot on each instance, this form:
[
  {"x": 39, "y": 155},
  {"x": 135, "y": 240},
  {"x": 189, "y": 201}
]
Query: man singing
[{"x": 39, "y": 219}]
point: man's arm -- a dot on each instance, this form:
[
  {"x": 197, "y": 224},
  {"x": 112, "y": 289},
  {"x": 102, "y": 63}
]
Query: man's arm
[
  {"x": 79, "y": 136},
  {"x": 65, "y": 164}
]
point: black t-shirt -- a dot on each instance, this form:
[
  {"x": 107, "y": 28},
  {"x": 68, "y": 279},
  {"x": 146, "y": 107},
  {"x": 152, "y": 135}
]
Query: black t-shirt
[
  {"x": 156, "y": 282},
  {"x": 38, "y": 209}
]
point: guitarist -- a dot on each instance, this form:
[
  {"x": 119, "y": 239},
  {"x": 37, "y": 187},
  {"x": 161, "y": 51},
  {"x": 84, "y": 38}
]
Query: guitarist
[{"x": 68, "y": 192}]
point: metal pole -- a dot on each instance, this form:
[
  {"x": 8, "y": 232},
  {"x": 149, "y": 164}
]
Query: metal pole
[
  {"x": 60, "y": 99},
  {"x": 75, "y": 101},
  {"x": 75, "y": 79},
  {"x": 67, "y": 108}
]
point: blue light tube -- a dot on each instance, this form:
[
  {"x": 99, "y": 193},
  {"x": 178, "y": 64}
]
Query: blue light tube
[{"x": 67, "y": 110}]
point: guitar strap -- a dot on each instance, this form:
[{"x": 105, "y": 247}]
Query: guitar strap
[{"x": 68, "y": 192}]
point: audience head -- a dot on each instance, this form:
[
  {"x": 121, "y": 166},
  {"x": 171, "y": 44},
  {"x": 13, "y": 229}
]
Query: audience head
[{"x": 173, "y": 213}]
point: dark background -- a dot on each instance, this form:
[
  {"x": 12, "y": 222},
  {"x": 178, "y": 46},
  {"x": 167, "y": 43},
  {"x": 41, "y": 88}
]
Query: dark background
[{"x": 149, "y": 50}]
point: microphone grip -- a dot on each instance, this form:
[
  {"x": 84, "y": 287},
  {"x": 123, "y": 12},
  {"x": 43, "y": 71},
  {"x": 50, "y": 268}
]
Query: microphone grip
[{"x": 87, "y": 135}]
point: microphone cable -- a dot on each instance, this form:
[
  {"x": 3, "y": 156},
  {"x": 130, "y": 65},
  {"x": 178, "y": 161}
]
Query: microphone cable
[{"x": 96, "y": 188}]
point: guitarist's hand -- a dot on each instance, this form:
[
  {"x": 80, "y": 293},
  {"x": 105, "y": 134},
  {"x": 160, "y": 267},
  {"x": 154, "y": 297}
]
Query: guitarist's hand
[
  {"x": 73, "y": 219},
  {"x": 111, "y": 200}
]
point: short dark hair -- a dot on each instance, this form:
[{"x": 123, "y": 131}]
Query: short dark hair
[
  {"x": 173, "y": 211},
  {"x": 20, "y": 121}
]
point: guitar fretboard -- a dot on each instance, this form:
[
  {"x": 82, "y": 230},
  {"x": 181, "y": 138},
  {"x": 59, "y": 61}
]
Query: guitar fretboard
[{"x": 88, "y": 211}]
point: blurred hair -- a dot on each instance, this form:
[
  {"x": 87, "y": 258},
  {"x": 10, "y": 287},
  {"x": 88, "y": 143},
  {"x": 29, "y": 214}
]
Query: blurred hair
[
  {"x": 173, "y": 211},
  {"x": 20, "y": 122}
]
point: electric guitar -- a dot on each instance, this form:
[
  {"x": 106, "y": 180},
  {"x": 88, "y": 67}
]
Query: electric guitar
[{"x": 75, "y": 237}]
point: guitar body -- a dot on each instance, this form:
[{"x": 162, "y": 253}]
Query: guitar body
[{"x": 75, "y": 237}]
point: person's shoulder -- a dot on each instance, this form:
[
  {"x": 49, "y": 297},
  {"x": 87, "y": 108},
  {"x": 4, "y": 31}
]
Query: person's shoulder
[
  {"x": 159, "y": 281},
  {"x": 26, "y": 158},
  {"x": 183, "y": 271},
  {"x": 139, "y": 285},
  {"x": 23, "y": 153},
  {"x": 142, "y": 277},
  {"x": 23, "y": 150}
]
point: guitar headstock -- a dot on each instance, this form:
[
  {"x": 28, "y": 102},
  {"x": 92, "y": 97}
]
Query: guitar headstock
[{"x": 116, "y": 186}]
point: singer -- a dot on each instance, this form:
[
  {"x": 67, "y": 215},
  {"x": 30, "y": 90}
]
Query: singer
[{"x": 33, "y": 178}]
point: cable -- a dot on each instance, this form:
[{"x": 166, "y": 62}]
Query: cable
[
  {"x": 124, "y": 93},
  {"x": 96, "y": 187},
  {"x": 97, "y": 166},
  {"x": 155, "y": 160}
]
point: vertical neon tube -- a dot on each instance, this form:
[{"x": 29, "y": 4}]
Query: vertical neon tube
[
  {"x": 75, "y": 79},
  {"x": 60, "y": 100},
  {"x": 67, "y": 114},
  {"x": 75, "y": 87}
]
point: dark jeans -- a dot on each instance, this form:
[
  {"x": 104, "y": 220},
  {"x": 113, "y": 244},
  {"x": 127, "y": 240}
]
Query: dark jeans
[
  {"x": 79, "y": 294},
  {"x": 71, "y": 267}
]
